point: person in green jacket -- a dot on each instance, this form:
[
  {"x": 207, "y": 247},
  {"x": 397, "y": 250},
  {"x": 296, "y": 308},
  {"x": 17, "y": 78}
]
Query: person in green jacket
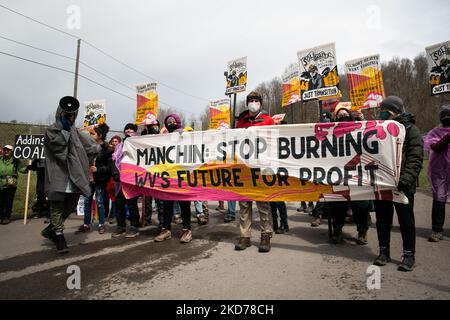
[
  {"x": 9, "y": 169},
  {"x": 392, "y": 108}
]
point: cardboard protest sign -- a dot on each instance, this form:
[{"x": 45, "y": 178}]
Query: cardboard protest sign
[
  {"x": 438, "y": 57},
  {"x": 29, "y": 147},
  {"x": 236, "y": 76},
  {"x": 290, "y": 86},
  {"x": 318, "y": 73},
  {"x": 306, "y": 162},
  {"x": 365, "y": 82},
  {"x": 147, "y": 103},
  {"x": 219, "y": 114},
  {"x": 277, "y": 118},
  {"x": 95, "y": 113}
]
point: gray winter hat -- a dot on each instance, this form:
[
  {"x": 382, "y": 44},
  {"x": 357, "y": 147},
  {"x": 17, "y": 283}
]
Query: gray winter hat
[{"x": 394, "y": 104}]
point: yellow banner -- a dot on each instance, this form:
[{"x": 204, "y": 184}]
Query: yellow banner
[
  {"x": 219, "y": 114},
  {"x": 147, "y": 103}
]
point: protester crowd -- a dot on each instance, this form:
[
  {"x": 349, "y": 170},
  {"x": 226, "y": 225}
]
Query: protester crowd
[{"x": 79, "y": 164}]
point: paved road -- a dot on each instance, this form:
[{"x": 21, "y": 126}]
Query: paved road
[{"x": 301, "y": 265}]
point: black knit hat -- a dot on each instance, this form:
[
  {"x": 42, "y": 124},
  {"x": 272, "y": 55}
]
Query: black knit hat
[
  {"x": 102, "y": 130},
  {"x": 394, "y": 104},
  {"x": 445, "y": 111},
  {"x": 131, "y": 126},
  {"x": 254, "y": 95}
]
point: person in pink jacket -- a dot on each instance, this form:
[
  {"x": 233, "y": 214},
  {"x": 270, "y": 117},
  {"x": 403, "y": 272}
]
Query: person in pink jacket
[{"x": 437, "y": 144}]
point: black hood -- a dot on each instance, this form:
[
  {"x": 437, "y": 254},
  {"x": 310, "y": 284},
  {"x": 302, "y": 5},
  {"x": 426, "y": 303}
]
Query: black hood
[{"x": 406, "y": 118}]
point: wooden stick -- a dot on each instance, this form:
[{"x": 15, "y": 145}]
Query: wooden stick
[{"x": 27, "y": 195}]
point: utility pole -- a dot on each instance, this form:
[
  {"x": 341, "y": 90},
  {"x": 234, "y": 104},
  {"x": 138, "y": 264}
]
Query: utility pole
[{"x": 75, "y": 86}]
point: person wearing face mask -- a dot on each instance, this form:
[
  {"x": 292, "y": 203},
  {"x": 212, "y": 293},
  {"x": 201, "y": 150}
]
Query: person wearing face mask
[
  {"x": 338, "y": 209},
  {"x": 437, "y": 144},
  {"x": 151, "y": 128},
  {"x": 392, "y": 108},
  {"x": 68, "y": 156},
  {"x": 130, "y": 130},
  {"x": 173, "y": 124},
  {"x": 254, "y": 117}
]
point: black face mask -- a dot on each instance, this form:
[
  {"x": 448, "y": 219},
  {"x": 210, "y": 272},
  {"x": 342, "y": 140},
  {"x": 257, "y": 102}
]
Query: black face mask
[
  {"x": 153, "y": 130},
  {"x": 343, "y": 119},
  {"x": 172, "y": 127},
  {"x": 445, "y": 122}
]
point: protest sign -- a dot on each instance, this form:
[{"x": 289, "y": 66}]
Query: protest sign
[
  {"x": 95, "y": 113},
  {"x": 29, "y": 147},
  {"x": 219, "y": 114},
  {"x": 147, "y": 103},
  {"x": 438, "y": 57},
  {"x": 365, "y": 82},
  {"x": 290, "y": 86},
  {"x": 318, "y": 73},
  {"x": 306, "y": 162},
  {"x": 236, "y": 76}
]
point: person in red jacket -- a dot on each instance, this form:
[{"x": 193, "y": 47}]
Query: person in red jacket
[{"x": 254, "y": 116}]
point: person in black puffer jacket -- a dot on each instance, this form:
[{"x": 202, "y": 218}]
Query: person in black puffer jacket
[
  {"x": 100, "y": 174},
  {"x": 412, "y": 156}
]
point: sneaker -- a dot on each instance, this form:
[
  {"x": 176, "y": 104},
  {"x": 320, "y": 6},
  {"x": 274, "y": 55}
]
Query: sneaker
[
  {"x": 408, "y": 262},
  {"x": 112, "y": 220},
  {"x": 316, "y": 222},
  {"x": 201, "y": 219},
  {"x": 383, "y": 258},
  {"x": 132, "y": 233},
  {"x": 101, "y": 229},
  {"x": 264, "y": 245},
  {"x": 362, "y": 238},
  {"x": 301, "y": 209},
  {"x": 436, "y": 236},
  {"x": 164, "y": 235},
  {"x": 177, "y": 220},
  {"x": 83, "y": 229},
  {"x": 229, "y": 218},
  {"x": 119, "y": 233},
  {"x": 309, "y": 209},
  {"x": 60, "y": 242},
  {"x": 243, "y": 243},
  {"x": 186, "y": 236},
  {"x": 282, "y": 230}
]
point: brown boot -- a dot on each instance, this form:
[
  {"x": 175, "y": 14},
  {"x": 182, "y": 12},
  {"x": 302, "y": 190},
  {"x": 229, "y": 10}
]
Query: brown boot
[
  {"x": 244, "y": 243},
  {"x": 264, "y": 246}
]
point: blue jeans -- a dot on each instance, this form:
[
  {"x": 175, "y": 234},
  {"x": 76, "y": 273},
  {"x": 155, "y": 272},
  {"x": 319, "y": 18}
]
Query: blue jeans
[
  {"x": 198, "y": 207},
  {"x": 100, "y": 196},
  {"x": 232, "y": 208}
]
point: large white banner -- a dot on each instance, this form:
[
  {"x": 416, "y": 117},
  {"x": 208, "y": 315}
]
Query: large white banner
[{"x": 307, "y": 162}]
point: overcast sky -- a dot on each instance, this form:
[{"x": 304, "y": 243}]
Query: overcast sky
[{"x": 187, "y": 44}]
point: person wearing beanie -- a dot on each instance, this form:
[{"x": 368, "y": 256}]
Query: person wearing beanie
[
  {"x": 254, "y": 116},
  {"x": 130, "y": 130},
  {"x": 68, "y": 156},
  {"x": 152, "y": 127},
  {"x": 100, "y": 174},
  {"x": 437, "y": 144},
  {"x": 392, "y": 108},
  {"x": 173, "y": 124}
]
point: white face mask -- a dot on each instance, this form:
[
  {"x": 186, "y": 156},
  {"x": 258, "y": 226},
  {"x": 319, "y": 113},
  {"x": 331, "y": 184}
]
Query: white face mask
[{"x": 254, "y": 107}]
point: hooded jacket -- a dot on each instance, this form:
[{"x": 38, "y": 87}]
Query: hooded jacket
[
  {"x": 245, "y": 120},
  {"x": 412, "y": 154},
  {"x": 177, "y": 119},
  {"x": 68, "y": 156}
]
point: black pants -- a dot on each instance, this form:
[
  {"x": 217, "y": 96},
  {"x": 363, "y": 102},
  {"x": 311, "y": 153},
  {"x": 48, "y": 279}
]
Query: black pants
[
  {"x": 185, "y": 214},
  {"x": 6, "y": 202},
  {"x": 360, "y": 215},
  {"x": 438, "y": 216},
  {"x": 149, "y": 209},
  {"x": 281, "y": 207},
  {"x": 405, "y": 213},
  {"x": 121, "y": 201}
]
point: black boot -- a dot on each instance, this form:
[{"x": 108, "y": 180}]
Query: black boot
[
  {"x": 61, "y": 245},
  {"x": 408, "y": 261},
  {"x": 383, "y": 258},
  {"x": 49, "y": 233}
]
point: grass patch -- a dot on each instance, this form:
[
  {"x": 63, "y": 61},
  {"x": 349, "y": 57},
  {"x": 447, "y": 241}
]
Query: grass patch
[
  {"x": 19, "y": 199},
  {"x": 424, "y": 183}
]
